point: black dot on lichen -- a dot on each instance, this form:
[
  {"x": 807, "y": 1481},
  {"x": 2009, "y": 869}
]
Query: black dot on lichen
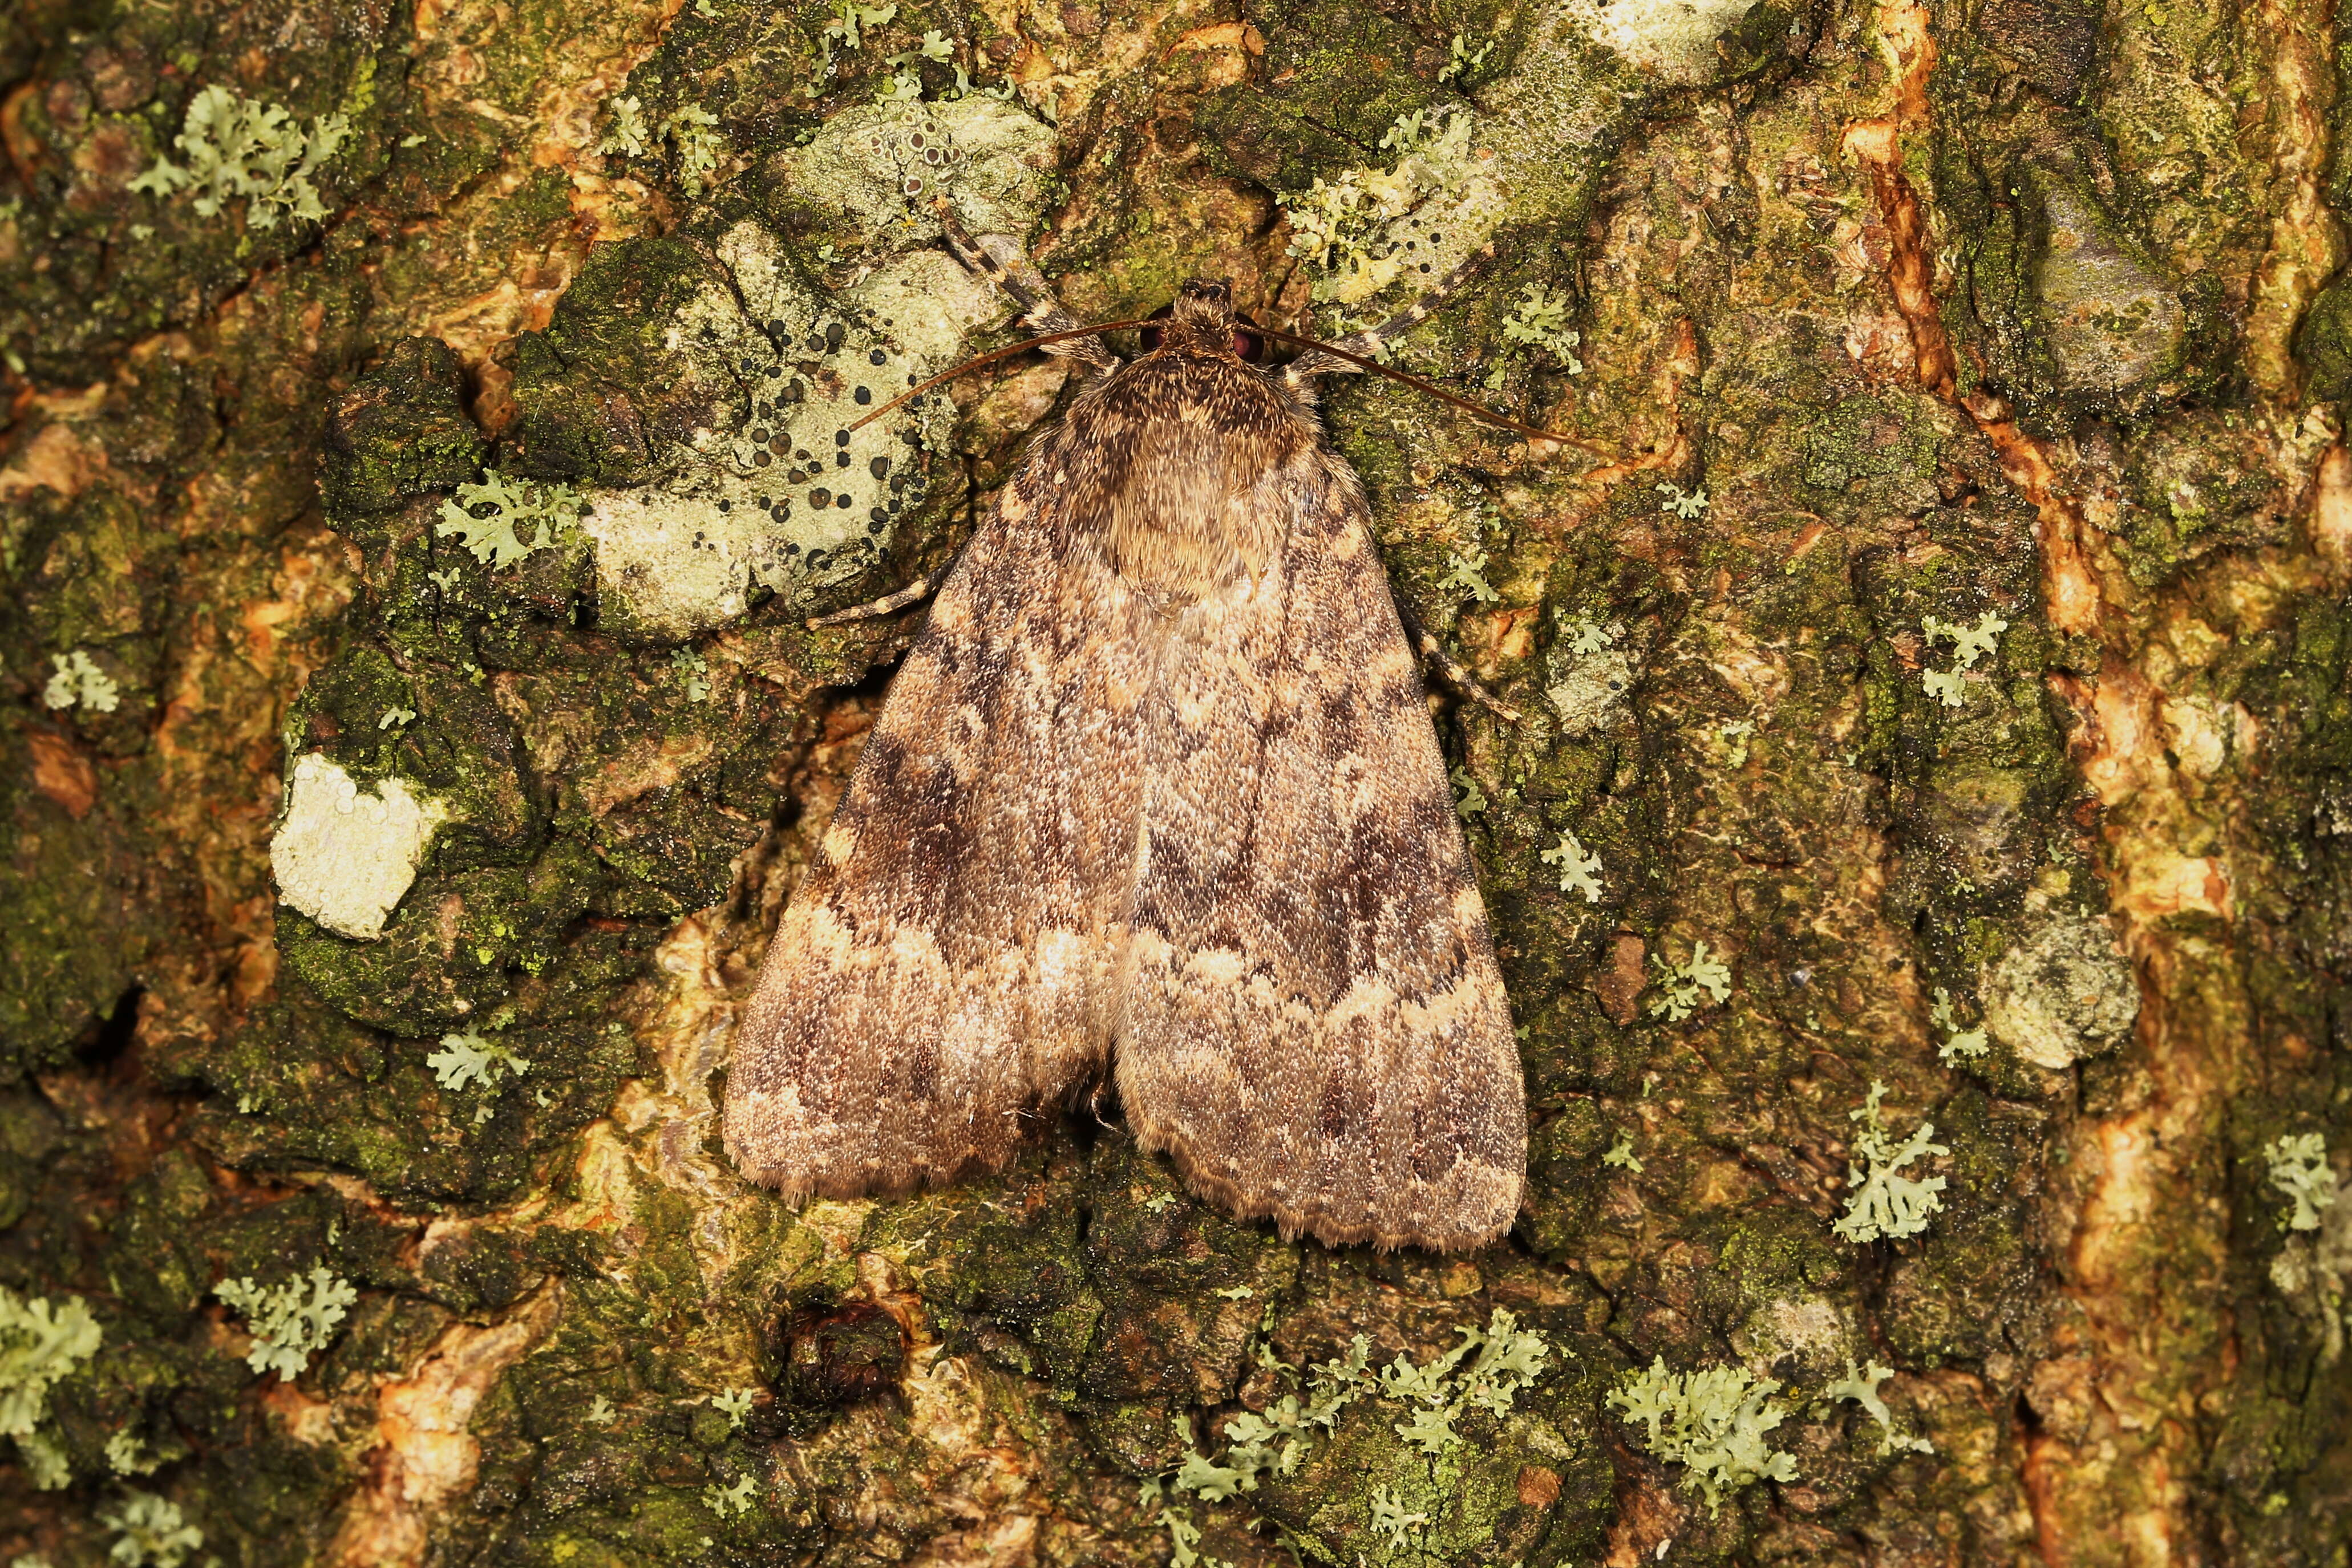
[
  {"x": 726, "y": 506},
  {"x": 842, "y": 501},
  {"x": 863, "y": 396},
  {"x": 879, "y": 467},
  {"x": 841, "y": 459},
  {"x": 877, "y": 358},
  {"x": 841, "y": 438},
  {"x": 833, "y": 335}
]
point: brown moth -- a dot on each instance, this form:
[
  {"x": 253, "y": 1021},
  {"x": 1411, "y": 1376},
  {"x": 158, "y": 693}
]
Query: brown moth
[{"x": 1155, "y": 791}]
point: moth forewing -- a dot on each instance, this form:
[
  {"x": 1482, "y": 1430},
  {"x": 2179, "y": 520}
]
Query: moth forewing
[{"x": 1157, "y": 790}]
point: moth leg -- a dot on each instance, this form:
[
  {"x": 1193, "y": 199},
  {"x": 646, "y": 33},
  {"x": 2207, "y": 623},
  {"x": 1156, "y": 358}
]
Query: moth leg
[
  {"x": 1448, "y": 666},
  {"x": 920, "y": 588},
  {"x": 1368, "y": 342},
  {"x": 1026, "y": 288}
]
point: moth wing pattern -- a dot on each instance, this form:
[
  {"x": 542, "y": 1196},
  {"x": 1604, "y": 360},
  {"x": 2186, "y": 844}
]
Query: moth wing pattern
[
  {"x": 1315, "y": 1026},
  {"x": 949, "y": 958}
]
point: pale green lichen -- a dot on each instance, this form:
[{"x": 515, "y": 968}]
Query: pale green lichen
[
  {"x": 1712, "y": 1421},
  {"x": 41, "y": 1343},
  {"x": 731, "y": 1500},
  {"x": 693, "y": 671},
  {"x": 1541, "y": 321},
  {"x": 241, "y": 146},
  {"x": 1621, "y": 1154},
  {"x": 1681, "y": 985},
  {"x": 1861, "y": 1388},
  {"x": 488, "y": 518},
  {"x": 467, "y": 1060},
  {"x": 1469, "y": 566},
  {"x": 1579, "y": 871},
  {"x": 1959, "y": 1044},
  {"x": 1473, "y": 800},
  {"x": 1391, "y": 1518},
  {"x": 1683, "y": 503},
  {"x": 735, "y": 1403},
  {"x": 1970, "y": 644},
  {"x": 1369, "y": 226},
  {"x": 602, "y": 1412},
  {"x": 2299, "y": 1168},
  {"x": 80, "y": 683},
  {"x": 626, "y": 130},
  {"x": 290, "y": 1321},
  {"x": 1488, "y": 1371},
  {"x": 150, "y": 1532},
  {"x": 1460, "y": 60},
  {"x": 1881, "y": 1201},
  {"x": 693, "y": 131},
  {"x": 1586, "y": 636},
  {"x": 850, "y": 20},
  {"x": 127, "y": 1456}
]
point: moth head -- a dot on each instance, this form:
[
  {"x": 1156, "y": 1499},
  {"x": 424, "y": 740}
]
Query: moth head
[{"x": 1202, "y": 319}]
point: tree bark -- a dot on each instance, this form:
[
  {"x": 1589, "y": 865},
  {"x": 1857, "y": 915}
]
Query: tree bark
[{"x": 1934, "y": 767}]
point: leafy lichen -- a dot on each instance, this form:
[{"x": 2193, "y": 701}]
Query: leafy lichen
[
  {"x": 77, "y": 682},
  {"x": 41, "y": 1342},
  {"x": 1713, "y": 1421},
  {"x": 488, "y": 518},
  {"x": 2299, "y": 1168},
  {"x": 1861, "y": 1388},
  {"x": 242, "y": 146},
  {"x": 1970, "y": 644},
  {"x": 1959, "y": 1044},
  {"x": 149, "y": 1531},
  {"x": 1580, "y": 870},
  {"x": 1680, "y": 985},
  {"x": 291, "y": 1320},
  {"x": 1541, "y": 321},
  {"x": 1682, "y": 503},
  {"x": 1881, "y": 1200}
]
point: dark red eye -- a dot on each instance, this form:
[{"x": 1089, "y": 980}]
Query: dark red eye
[
  {"x": 1151, "y": 334},
  {"x": 1248, "y": 346}
]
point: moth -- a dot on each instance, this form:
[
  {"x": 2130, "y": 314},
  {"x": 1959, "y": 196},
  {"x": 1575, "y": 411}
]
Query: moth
[{"x": 1155, "y": 794}]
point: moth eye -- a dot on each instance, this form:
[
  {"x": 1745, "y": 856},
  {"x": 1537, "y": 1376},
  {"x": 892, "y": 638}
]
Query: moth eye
[
  {"x": 1151, "y": 335},
  {"x": 1250, "y": 347}
]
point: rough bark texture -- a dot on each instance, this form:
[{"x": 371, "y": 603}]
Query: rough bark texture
[{"x": 1954, "y": 643}]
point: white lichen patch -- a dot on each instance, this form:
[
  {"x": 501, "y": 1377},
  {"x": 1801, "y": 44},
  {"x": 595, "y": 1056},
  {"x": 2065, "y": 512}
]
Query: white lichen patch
[
  {"x": 345, "y": 852},
  {"x": 1590, "y": 677},
  {"x": 1671, "y": 40},
  {"x": 1408, "y": 223},
  {"x": 2062, "y": 994},
  {"x": 782, "y": 495},
  {"x": 879, "y": 167},
  {"x": 2299, "y": 1168}
]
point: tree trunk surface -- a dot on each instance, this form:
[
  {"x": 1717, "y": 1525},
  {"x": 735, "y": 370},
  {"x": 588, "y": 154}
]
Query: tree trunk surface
[{"x": 1921, "y": 866}]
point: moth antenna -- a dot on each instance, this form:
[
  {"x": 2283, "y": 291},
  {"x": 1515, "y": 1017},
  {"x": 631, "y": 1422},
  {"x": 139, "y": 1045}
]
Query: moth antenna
[
  {"x": 989, "y": 358},
  {"x": 1439, "y": 393}
]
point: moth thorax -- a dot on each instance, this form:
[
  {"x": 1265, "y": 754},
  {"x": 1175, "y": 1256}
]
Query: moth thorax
[{"x": 1193, "y": 487}]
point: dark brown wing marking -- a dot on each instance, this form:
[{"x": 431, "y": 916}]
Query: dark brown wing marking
[
  {"x": 947, "y": 962},
  {"x": 1316, "y": 1027}
]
